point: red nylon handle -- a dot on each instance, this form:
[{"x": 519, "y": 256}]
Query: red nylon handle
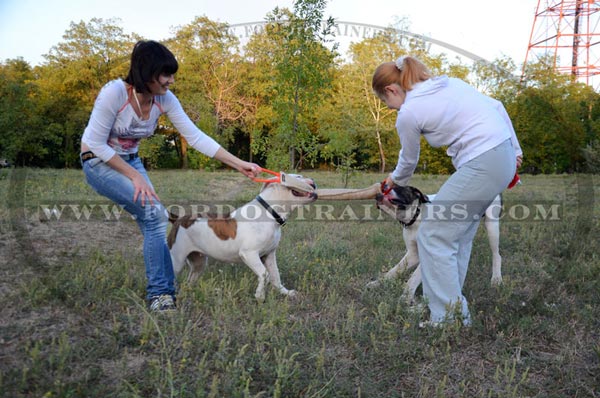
[
  {"x": 384, "y": 188},
  {"x": 516, "y": 180}
]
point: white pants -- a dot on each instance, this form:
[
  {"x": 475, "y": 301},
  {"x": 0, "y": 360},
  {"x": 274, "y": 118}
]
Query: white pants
[{"x": 449, "y": 224}]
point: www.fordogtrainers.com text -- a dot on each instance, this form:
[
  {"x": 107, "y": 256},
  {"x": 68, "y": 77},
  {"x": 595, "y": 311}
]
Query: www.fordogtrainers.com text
[{"x": 331, "y": 211}]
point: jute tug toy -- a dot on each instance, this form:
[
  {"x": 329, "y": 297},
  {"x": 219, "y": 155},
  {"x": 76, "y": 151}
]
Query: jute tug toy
[
  {"x": 349, "y": 194},
  {"x": 291, "y": 181},
  {"x": 370, "y": 192}
]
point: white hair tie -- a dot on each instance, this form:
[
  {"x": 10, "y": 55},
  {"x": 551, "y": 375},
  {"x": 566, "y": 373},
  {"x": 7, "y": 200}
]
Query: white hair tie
[{"x": 400, "y": 63}]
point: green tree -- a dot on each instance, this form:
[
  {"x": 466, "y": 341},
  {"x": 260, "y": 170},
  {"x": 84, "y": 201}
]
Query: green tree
[
  {"x": 210, "y": 82},
  {"x": 91, "y": 54},
  {"x": 74, "y": 72},
  {"x": 303, "y": 71},
  {"x": 362, "y": 115},
  {"x": 552, "y": 117},
  {"x": 496, "y": 79},
  {"x": 258, "y": 71},
  {"x": 21, "y": 124}
]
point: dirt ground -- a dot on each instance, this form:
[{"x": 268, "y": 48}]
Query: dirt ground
[
  {"x": 33, "y": 246},
  {"x": 34, "y": 243}
]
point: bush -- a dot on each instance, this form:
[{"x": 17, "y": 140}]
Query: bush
[{"x": 591, "y": 153}]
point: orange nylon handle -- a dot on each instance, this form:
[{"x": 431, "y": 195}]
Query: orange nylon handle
[{"x": 277, "y": 175}]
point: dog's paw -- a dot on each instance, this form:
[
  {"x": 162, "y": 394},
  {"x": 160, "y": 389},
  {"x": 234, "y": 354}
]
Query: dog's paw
[
  {"x": 496, "y": 280},
  {"x": 408, "y": 298},
  {"x": 286, "y": 292},
  {"x": 374, "y": 283},
  {"x": 416, "y": 307},
  {"x": 260, "y": 297},
  {"x": 294, "y": 295}
]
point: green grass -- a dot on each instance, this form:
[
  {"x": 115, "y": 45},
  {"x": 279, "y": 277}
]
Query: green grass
[{"x": 73, "y": 321}]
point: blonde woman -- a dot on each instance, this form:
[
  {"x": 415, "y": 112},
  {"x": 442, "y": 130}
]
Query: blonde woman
[{"x": 481, "y": 141}]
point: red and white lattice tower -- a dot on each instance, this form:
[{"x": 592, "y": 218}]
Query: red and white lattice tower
[{"x": 569, "y": 33}]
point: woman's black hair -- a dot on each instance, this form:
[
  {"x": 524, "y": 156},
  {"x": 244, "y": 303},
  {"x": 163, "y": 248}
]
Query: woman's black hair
[{"x": 149, "y": 59}]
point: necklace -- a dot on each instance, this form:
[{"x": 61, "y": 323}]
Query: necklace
[{"x": 137, "y": 101}]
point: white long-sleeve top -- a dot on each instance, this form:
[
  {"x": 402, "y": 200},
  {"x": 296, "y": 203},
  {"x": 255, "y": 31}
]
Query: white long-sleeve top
[
  {"x": 115, "y": 128},
  {"x": 448, "y": 112}
]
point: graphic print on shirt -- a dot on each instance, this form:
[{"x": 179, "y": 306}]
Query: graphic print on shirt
[{"x": 128, "y": 130}]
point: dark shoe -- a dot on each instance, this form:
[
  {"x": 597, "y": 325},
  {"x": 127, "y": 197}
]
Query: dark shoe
[{"x": 162, "y": 303}]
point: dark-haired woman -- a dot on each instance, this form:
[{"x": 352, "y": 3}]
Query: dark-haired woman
[{"x": 126, "y": 111}]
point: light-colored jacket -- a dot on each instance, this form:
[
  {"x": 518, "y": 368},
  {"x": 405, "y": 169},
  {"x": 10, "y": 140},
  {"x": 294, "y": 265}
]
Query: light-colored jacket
[{"x": 449, "y": 113}]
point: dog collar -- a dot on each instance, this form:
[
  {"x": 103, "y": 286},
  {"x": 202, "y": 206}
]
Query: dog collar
[
  {"x": 413, "y": 219},
  {"x": 271, "y": 211}
]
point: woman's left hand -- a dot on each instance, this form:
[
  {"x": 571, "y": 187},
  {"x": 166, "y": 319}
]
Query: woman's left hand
[
  {"x": 388, "y": 181},
  {"x": 250, "y": 170}
]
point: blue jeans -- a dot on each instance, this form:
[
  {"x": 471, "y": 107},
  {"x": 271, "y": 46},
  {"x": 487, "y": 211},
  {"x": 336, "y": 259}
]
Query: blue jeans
[
  {"x": 449, "y": 224},
  {"x": 152, "y": 220}
]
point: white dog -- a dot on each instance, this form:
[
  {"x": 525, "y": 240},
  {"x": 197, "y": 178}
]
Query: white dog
[
  {"x": 250, "y": 234},
  {"x": 404, "y": 203}
]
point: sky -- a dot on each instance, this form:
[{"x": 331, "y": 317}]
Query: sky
[{"x": 489, "y": 29}]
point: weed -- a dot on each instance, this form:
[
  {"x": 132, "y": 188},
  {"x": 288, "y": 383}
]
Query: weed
[{"x": 74, "y": 324}]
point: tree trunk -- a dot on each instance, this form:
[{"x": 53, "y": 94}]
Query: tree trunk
[
  {"x": 184, "y": 158},
  {"x": 381, "y": 152}
]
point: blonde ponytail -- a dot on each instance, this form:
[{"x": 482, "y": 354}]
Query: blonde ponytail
[{"x": 405, "y": 71}]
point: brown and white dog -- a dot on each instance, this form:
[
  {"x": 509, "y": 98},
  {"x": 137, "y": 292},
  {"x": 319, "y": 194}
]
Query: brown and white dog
[
  {"x": 405, "y": 203},
  {"x": 250, "y": 234}
]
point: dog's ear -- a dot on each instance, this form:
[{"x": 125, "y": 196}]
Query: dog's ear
[{"x": 422, "y": 197}]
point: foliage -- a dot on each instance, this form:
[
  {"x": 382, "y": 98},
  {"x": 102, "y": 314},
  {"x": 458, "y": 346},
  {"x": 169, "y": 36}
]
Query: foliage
[
  {"x": 20, "y": 122},
  {"x": 303, "y": 67},
  {"x": 92, "y": 54},
  {"x": 285, "y": 100},
  {"x": 592, "y": 156},
  {"x": 496, "y": 79},
  {"x": 362, "y": 116},
  {"x": 209, "y": 81},
  {"x": 157, "y": 153},
  {"x": 553, "y": 121},
  {"x": 433, "y": 160}
]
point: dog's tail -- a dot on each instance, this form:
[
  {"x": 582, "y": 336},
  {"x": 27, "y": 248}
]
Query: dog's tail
[
  {"x": 173, "y": 217},
  {"x": 177, "y": 222}
]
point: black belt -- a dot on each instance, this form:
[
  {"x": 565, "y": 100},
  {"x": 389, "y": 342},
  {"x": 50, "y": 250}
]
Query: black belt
[{"x": 85, "y": 156}]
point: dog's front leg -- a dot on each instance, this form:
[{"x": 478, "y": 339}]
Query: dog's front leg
[
  {"x": 270, "y": 262},
  {"x": 252, "y": 260},
  {"x": 399, "y": 268},
  {"x": 411, "y": 285},
  {"x": 392, "y": 273},
  {"x": 409, "y": 261}
]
